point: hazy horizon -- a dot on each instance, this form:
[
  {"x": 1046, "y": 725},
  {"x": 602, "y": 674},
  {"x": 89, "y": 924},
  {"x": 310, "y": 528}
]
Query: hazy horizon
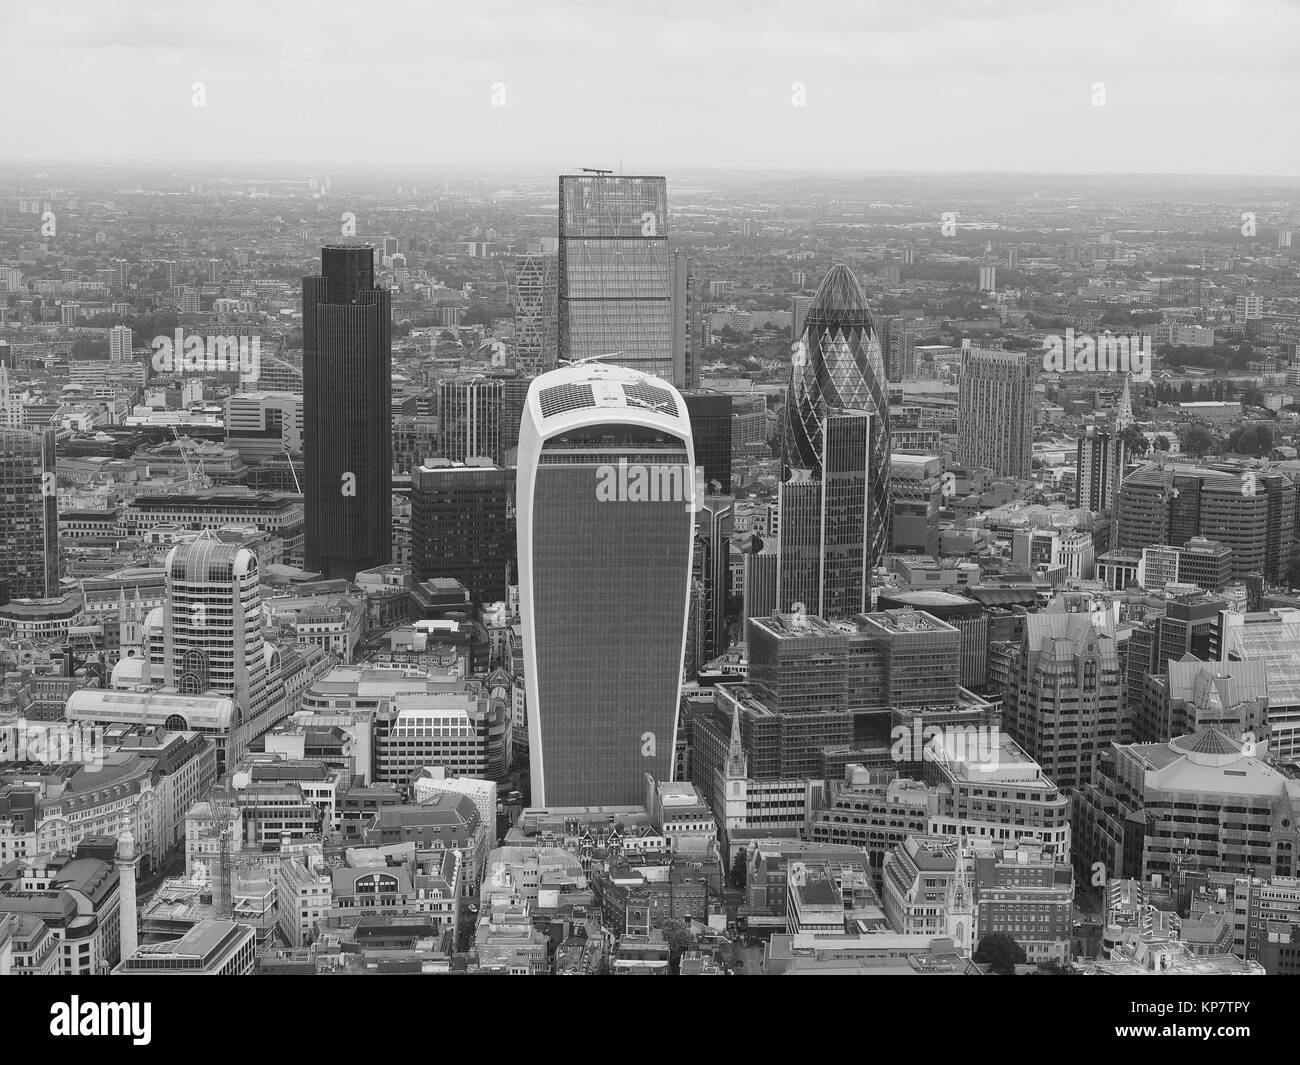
[{"x": 840, "y": 87}]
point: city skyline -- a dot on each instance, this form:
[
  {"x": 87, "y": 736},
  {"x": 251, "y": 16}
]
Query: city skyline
[{"x": 678, "y": 490}]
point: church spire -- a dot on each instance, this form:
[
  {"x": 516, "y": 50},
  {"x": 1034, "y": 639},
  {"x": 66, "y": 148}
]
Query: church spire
[
  {"x": 737, "y": 763},
  {"x": 1124, "y": 412}
]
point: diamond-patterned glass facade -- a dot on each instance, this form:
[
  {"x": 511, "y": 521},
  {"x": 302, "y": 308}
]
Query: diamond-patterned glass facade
[
  {"x": 536, "y": 313},
  {"x": 837, "y": 363}
]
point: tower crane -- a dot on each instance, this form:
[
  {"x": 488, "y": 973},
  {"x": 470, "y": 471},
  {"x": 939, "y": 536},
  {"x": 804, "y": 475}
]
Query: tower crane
[
  {"x": 589, "y": 358},
  {"x": 297, "y": 487},
  {"x": 195, "y": 478}
]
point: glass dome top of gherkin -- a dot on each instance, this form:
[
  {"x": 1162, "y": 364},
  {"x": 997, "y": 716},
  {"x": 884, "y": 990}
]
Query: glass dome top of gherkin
[{"x": 839, "y": 300}]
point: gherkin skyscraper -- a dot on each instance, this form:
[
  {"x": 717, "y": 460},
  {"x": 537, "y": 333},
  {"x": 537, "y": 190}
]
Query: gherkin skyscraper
[{"x": 838, "y": 365}]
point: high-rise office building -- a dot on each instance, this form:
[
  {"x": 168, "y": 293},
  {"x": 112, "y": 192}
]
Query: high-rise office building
[
  {"x": 615, "y": 283},
  {"x": 916, "y": 501},
  {"x": 29, "y": 516},
  {"x": 688, "y": 336},
  {"x": 536, "y": 313},
  {"x": 212, "y": 631},
  {"x": 1170, "y": 807},
  {"x": 1099, "y": 468},
  {"x": 710, "y": 414},
  {"x": 605, "y": 534},
  {"x": 1065, "y": 701},
  {"x": 470, "y": 415},
  {"x": 461, "y": 526},
  {"x": 898, "y": 345},
  {"x": 965, "y": 615},
  {"x": 995, "y": 411},
  {"x": 119, "y": 343},
  {"x": 798, "y": 310},
  {"x": 1250, "y": 512},
  {"x": 760, "y": 565},
  {"x": 817, "y": 686},
  {"x": 826, "y": 552},
  {"x": 712, "y": 561},
  {"x": 514, "y": 394},
  {"x": 837, "y": 363},
  {"x": 347, "y": 414},
  {"x": 1249, "y": 308}
]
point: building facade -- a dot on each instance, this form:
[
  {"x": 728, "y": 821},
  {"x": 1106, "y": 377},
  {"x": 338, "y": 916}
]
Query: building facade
[
  {"x": 837, "y": 365},
  {"x": 605, "y": 570},
  {"x": 347, "y": 414},
  {"x": 995, "y": 411},
  {"x": 29, "y": 547},
  {"x": 615, "y": 284}
]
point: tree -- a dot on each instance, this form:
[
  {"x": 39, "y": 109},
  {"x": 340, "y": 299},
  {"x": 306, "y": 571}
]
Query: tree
[
  {"x": 738, "y": 869},
  {"x": 679, "y": 940},
  {"x": 1162, "y": 443},
  {"x": 1198, "y": 440},
  {"x": 1001, "y": 952},
  {"x": 1255, "y": 439},
  {"x": 1134, "y": 440}
]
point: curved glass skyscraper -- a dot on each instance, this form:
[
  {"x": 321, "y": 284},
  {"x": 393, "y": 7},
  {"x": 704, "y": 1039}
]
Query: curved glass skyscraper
[
  {"x": 838, "y": 365},
  {"x": 606, "y": 495}
]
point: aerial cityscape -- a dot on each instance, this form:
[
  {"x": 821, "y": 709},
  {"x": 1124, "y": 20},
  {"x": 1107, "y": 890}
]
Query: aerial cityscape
[{"x": 632, "y": 568}]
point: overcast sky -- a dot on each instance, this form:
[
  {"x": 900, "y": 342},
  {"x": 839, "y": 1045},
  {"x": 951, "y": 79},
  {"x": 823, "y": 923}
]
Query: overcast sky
[{"x": 931, "y": 85}]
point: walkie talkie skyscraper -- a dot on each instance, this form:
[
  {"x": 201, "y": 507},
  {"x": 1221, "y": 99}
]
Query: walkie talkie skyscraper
[{"x": 606, "y": 490}]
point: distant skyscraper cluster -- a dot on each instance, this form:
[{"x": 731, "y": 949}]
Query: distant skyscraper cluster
[{"x": 835, "y": 495}]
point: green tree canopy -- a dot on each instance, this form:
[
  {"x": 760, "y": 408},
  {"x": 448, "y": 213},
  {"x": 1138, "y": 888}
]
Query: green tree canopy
[
  {"x": 1198, "y": 440},
  {"x": 738, "y": 869},
  {"x": 1001, "y": 952},
  {"x": 1254, "y": 439},
  {"x": 679, "y": 940},
  {"x": 1134, "y": 440}
]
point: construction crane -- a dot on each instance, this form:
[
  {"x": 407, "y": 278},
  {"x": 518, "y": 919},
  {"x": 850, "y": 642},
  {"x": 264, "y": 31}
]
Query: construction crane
[
  {"x": 289, "y": 458},
  {"x": 195, "y": 478},
  {"x": 223, "y": 812},
  {"x": 589, "y": 358},
  {"x": 591, "y": 170}
]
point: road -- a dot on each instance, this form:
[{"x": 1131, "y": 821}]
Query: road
[{"x": 753, "y": 959}]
